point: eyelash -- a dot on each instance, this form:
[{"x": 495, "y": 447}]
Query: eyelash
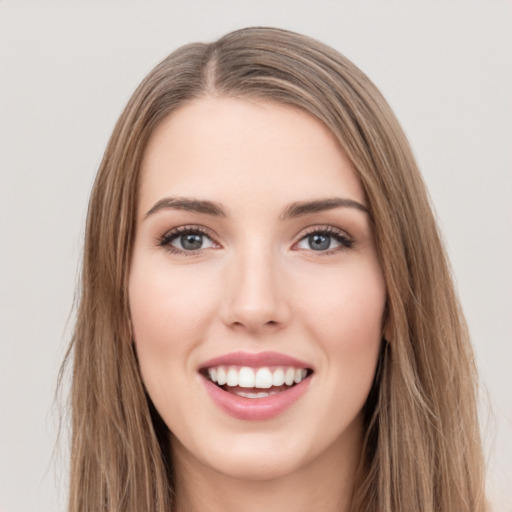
[{"x": 341, "y": 237}]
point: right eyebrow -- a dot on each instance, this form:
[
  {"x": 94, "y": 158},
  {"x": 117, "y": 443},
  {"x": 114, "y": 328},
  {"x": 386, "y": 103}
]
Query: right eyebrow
[{"x": 191, "y": 205}]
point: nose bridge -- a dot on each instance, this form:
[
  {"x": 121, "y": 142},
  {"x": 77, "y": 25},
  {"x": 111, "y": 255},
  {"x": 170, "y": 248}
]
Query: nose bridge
[{"x": 255, "y": 295}]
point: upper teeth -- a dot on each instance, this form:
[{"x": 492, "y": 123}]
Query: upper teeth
[{"x": 247, "y": 377}]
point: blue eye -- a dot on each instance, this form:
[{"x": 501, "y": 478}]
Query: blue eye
[
  {"x": 186, "y": 240},
  {"x": 326, "y": 240}
]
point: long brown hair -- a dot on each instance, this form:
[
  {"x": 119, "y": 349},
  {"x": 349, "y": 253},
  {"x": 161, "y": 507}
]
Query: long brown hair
[{"x": 422, "y": 448}]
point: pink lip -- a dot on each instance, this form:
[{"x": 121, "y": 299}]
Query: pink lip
[
  {"x": 255, "y": 360},
  {"x": 255, "y": 409}
]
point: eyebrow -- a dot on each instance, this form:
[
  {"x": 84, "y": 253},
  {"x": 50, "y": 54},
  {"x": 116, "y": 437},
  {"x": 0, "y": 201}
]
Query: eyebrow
[{"x": 294, "y": 210}]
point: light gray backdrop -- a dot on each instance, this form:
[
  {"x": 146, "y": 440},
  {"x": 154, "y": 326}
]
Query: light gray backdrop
[{"x": 67, "y": 69}]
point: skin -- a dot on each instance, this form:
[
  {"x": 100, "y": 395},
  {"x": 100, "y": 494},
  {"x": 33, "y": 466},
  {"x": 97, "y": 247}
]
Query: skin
[{"x": 256, "y": 284}]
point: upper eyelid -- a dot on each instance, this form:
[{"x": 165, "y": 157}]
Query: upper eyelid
[
  {"x": 327, "y": 228},
  {"x": 188, "y": 228}
]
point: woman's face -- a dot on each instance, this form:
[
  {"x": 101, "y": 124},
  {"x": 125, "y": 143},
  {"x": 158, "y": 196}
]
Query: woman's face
[{"x": 254, "y": 262}]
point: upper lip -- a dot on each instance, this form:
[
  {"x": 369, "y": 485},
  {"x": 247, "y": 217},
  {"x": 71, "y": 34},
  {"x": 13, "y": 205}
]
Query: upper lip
[{"x": 254, "y": 360}]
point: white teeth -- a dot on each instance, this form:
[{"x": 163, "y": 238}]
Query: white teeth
[
  {"x": 263, "y": 378},
  {"x": 261, "y": 394},
  {"x": 232, "y": 377},
  {"x": 221, "y": 376},
  {"x": 289, "y": 376},
  {"x": 278, "y": 377},
  {"x": 246, "y": 377}
]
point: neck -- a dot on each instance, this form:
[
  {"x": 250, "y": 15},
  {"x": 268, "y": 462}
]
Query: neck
[{"x": 324, "y": 484}]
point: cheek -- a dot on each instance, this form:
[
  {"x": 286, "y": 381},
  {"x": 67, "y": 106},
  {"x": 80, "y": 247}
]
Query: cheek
[
  {"x": 168, "y": 310},
  {"x": 346, "y": 320},
  {"x": 169, "y": 314},
  {"x": 346, "y": 306}
]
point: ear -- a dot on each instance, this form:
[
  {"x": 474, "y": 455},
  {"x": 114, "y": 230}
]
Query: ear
[
  {"x": 388, "y": 330},
  {"x": 388, "y": 333}
]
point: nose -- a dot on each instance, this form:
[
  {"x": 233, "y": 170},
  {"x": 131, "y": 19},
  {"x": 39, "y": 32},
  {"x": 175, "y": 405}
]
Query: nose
[{"x": 255, "y": 298}]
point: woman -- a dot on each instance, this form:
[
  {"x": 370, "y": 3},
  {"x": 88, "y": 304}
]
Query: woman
[{"x": 267, "y": 318}]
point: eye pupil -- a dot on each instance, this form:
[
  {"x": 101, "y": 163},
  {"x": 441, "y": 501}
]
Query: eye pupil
[
  {"x": 191, "y": 241},
  {"x": 319, "y": 242}
]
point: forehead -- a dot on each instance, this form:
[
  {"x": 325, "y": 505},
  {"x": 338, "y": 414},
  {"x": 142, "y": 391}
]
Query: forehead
[{"x": 235, "y": 150}]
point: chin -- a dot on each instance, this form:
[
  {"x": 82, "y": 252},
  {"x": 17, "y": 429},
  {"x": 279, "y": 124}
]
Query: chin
[
  {"x": 257, "y": 467},
  {"x": 253, "y": 456}
]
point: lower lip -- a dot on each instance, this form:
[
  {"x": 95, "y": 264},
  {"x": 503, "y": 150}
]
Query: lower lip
[{"x": 255, "y": 409}]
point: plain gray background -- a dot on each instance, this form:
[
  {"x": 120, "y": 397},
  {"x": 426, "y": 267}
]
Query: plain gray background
[{"x": 67, "y": 69}]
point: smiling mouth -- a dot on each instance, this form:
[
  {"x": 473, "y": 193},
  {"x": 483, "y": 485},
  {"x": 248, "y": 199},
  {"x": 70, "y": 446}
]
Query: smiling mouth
[{"x": 254, "y": 383}]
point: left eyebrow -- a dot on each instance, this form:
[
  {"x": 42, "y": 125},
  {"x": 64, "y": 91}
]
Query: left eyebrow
[
  {"x": 293, "y": 210},
  {"x": 300, "y": 208}
]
